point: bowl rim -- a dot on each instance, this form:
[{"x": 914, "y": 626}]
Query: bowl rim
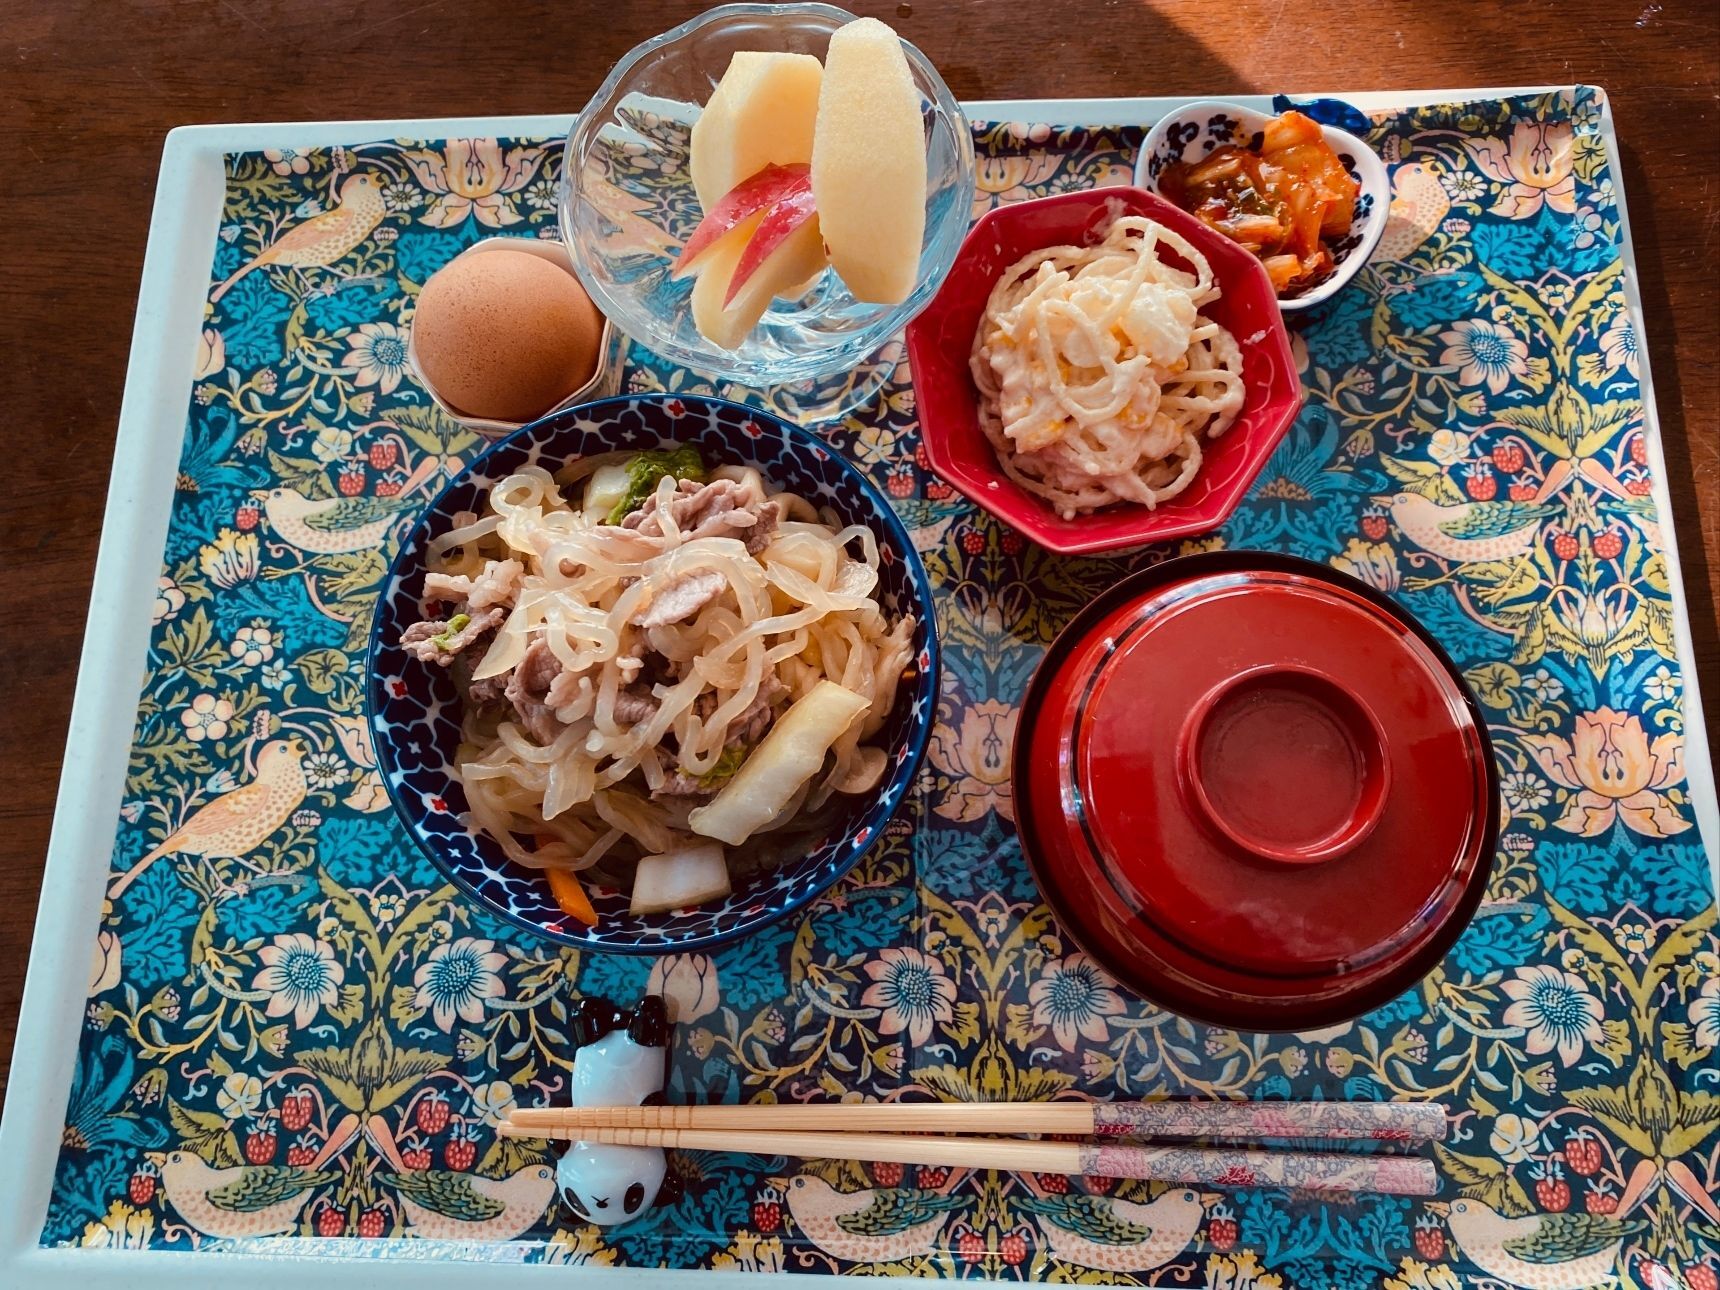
[
  {"x": 1150, "y": 528},
  {"x": 1370, "y": 165},
  {"x": 1301, "y": 1015},
  {"x": 712, "y": 360},
  {"x": 906, "y": 772}
]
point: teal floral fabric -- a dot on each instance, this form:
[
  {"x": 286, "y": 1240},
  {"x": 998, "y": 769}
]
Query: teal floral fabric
[{"x": 300, "y": 1032}]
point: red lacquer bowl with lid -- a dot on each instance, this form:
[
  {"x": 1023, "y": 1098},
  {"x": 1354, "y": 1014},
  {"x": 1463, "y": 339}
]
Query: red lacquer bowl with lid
[{"x": 1256, "y": 790}]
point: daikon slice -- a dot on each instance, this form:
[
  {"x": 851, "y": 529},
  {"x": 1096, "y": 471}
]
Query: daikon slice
[
  {"x": 789, "y": 756},
  {"x": 688, "y": 875}
]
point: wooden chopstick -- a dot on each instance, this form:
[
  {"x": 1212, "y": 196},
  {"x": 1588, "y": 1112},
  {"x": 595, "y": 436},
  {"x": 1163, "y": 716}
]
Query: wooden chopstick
[
  {"x": 1197, "y": 1166},
  {"x": 1387, "y": 1121}
]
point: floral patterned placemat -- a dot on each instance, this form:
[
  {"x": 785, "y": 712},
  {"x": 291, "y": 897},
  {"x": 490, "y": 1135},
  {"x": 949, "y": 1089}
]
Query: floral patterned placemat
[{"x": 276, "y": 1040}]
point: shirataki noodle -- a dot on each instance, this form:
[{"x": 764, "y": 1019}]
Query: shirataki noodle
[
  {"x": 799, "y": 611},
  {"x": 1099, "y": 378}
]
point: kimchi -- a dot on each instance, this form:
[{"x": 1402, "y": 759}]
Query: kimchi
[{"x": 1285, "y": 202}]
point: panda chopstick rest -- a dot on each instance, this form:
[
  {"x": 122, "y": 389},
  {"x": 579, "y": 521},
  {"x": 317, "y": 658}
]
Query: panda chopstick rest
[{"x": 622, "y": 1060}]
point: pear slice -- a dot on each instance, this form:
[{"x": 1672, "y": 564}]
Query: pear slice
[
  {"x": 761, "y": 114},
  {"x": 869, "y": 163}
]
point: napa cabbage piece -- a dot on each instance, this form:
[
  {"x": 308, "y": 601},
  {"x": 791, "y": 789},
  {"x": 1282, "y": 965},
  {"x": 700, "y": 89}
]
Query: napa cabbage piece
[
  {"x": 635, "y": 479},
  {"x": 605, "y": 490},
  {"x": 784, "y": 761}
]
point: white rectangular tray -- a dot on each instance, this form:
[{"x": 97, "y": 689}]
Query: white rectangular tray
[{"x": 188, "y": 203}]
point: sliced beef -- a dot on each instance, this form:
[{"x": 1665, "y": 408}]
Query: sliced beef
[
  {"x": 432, "y": 641},
  {"x": 756, "y": 717},
  {"x": 680, "y": 784},
  {"x": 419, "y": 633},
  {"x": 633, "y": 705},
  {"x": 446, "y": 588},
  {"x": 768, "y": 688},
  {"x": 744, "y": 732},
  {"x": 759, "y": 535},
  {"x": 528, "y": 690},
  {"x": 750, "y": 724},
  {"x": 538, "y": 720},
  {"x": 680, "y": 598},
  {"x": 565, "y": 689},
  {"x": 496, "y": 585},
  {"x": 492, "y": 689},
  {"x": 537, "y": 668},
  {"x": 721, "y": 508}
]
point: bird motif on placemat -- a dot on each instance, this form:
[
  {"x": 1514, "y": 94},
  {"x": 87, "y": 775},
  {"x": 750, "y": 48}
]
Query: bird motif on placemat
[
  {"x": 469, "y": 1207},
  {"x": 1115, "y": 1235},
  {"x": 244, "y": 1200},
  {"x": 1419, "y": 203},
  {"x": 1538, "y": 1251},
  {"x": 238, "y": 821},
  {"x": 324, "y": 238},
  {"x": 1467, "y": 532},
  {"x": 873, "y": 1225},
  {"x": 337, "y": 525}
]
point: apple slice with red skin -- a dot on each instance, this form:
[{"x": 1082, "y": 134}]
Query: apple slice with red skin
[
  {"x": 726, "y": 317},
  {"x": 779, "y": 224},
  {"x": 767, "y": 188}
]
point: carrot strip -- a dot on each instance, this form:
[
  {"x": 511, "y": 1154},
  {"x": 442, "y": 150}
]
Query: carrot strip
[
  {"x": 570, "y": 895},
  {"x": 564, "y": 884}
]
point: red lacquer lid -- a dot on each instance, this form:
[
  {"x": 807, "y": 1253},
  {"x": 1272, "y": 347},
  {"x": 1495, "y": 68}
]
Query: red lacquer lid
[{"x": 1256, "y": 790}]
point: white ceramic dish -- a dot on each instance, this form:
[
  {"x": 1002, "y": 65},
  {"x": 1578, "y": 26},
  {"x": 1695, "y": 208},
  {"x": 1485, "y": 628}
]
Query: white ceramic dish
[
  {"x": 187, "y": 216},
  {"x": 1192, "y": 131},
  {"x": 605, "y": 380}
]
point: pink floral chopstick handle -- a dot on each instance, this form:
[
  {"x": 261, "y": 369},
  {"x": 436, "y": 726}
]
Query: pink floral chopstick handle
[
  {"x": 1379, "y": 1121},
  {"x": 1244, "y": 1167}
]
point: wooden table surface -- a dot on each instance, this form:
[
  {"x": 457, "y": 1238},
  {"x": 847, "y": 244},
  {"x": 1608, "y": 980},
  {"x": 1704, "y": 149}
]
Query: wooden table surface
[{"x": 89, "y": 88}]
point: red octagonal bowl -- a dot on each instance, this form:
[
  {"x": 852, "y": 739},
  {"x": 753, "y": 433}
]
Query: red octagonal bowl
[{"x": 941, "y": 338}]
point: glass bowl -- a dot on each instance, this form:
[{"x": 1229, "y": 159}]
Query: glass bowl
[{"x": 627, "y": 204}]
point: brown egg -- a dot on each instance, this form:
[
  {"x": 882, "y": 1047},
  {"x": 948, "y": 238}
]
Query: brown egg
[{"x": 505, "y": 335}]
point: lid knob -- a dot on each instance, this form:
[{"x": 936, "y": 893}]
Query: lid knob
[{"x": 1240, "y": 742}]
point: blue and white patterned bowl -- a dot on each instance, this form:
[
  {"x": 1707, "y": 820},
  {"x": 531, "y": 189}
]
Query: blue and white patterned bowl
[
  {"x": 415, "y": 712},
  {"x": 1192, "y": 131}
]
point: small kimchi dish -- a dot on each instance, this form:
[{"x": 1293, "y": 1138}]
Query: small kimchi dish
[{"x": 1309, "y": 200}]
